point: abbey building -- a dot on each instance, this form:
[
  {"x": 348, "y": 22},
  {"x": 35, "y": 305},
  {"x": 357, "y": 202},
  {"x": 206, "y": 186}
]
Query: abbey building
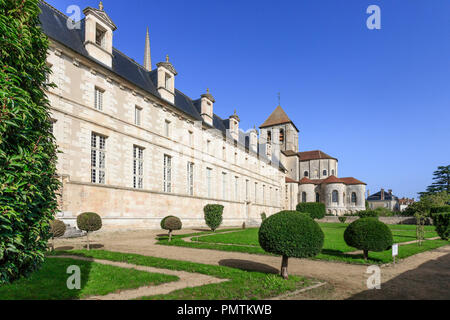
[{"x": 135, "y": 149}]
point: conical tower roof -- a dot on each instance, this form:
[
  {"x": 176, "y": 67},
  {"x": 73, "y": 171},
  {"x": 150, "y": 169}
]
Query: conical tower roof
[{"x": 276, "y": 118}]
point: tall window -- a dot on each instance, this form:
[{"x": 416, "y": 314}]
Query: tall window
[
  {"x": 236, "y": 188},
  {"x": 269, "y": 137},
  {"x": 335, "y": 196},
  {"x": 99, "y": 99},
  {"x": 224, "y": 154},
  {"x": 137, "y": 115},
  {"x": 224, "y": 186},
  {"x": 138, "y": 167},
  {"x": 281, "y": 136},
  {"x": 303, "y": 196},
  {"x": 208, "y": 181},
  {"x": 246, "y": 189},
  {"x": 332, "y": 172},
  {"x": 264, "y": 194},
  {"x": 167, "y": 82},
  {"x": 190, "y": 178},
  {"x": 235, "y": 158},
  {"x": 317, "y": 197},
  {"x": 208, "y": 146},
  {"x": 325, "y": 172},
  {"x": 354, "y": 197},
  {"x": 167, "y": 173},
  {"x": 305, "y": 174},
  {"x": 98, "y": 158},
  {"x": 100, "y": 36}
]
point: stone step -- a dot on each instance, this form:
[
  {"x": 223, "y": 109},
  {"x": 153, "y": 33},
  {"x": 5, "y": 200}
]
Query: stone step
[{"x": 72, "y": 232}]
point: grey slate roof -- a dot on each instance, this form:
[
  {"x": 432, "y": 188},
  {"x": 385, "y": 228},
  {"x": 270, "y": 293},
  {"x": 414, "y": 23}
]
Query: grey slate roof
[
  {"x": 377, "y": 197},
  {"x": 54, "y": 25}
]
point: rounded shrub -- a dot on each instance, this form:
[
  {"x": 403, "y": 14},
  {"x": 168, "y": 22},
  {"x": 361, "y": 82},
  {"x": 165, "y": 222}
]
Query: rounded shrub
[
  {"x": 213, "y": 215},
  {"x": 291, "y": 234},
  {"x": 342, "y": 219},
  {"x": 316, "y": 210},
  {"x": 368, "y": 234},
  {"x": 442, "y": 223},
  {"x": 171, "y": 223},
  {"x": 89, "y": 222},
  {"x": 57, "y": 229}
]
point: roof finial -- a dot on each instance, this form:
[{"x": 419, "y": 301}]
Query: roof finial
[
  {"x": 234, "y": 111},
  {"x": 279, "y": 98},
  {"x": 167, "y": 58},
  {"x": 207, "y": 90},
  {"x": 100, "y": 5}
]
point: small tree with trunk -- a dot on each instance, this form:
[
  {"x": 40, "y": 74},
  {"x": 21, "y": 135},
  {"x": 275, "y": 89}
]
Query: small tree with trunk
[
  {"x": 213, "y": 215},
  {"x": 57, "y": 229},
  {"x": 368, "y": 234},
  {"x": 89, "y": 222},
  {"x": 291, "y": 234},
  {"x": 171, "y": 223}
]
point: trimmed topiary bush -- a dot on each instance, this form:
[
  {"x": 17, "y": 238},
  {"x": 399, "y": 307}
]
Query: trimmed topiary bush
[
  {"x": 316, "y": 210},
  {"x": 57, "y": 229},
  {"x": 342, "y": 219},
  {"x": 368, "y": 234},
  {"x": 89, "y": 222},
  {"x": 28, "y": 152},
  {"x": 442, "y": 223},
  {"x": 171, "y": 223},
  {"x": 213, "y": 215},
  {"x": 368, "y": 214},
  {"x": 291, "y": 234}
]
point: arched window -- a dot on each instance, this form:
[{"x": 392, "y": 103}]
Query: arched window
[
  {"x": 281, "y": 135},
  {"x": 247, "y": 142},
  {"x": 269, "y": 137},
  {"x": 332, "y": 172},
  {"x": 354, "y": 197},
  {"x": 335, "y": 197},
  {"x": 325, "y": 172},
  {"x": 317, "y": 197},
  {"x": 303, "y": 196},
  {"x": 306, "y": 173}
]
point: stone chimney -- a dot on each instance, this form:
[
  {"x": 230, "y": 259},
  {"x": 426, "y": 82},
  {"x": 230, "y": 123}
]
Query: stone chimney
[
  {"x": 234, "y": 125},
  {"x": 207, "y": 107},
  {"x": 382, "y": 194}
]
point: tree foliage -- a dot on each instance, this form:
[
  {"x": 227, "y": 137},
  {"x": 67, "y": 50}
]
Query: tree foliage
[
  {"x": 316, "y": 210},
  {"x": 213, "y": 215},
  {"x": 28, "y": 181},
  {"x": 441, "y": 182}
]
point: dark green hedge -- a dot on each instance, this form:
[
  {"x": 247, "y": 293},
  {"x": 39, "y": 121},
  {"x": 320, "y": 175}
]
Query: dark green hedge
[
  {"x": 89, "y": 221},
  {"x": 213, "y": 215},
  {"x": 442, "y": 223},
  {"x": 368, "y": 234},
  {"x": 316, "y": 210},
  {"x": 291, "y": 234},
  {"x": 368, "y": 214},
  {"x": 28, "y": 152}
]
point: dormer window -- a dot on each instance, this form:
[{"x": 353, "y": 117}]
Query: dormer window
[
  {"x": 100, "y": 36},
  {"x": 167, "y": 81}
]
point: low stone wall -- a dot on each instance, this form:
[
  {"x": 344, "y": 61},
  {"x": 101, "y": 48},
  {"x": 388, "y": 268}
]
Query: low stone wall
[{"x": 387, "y": 220}]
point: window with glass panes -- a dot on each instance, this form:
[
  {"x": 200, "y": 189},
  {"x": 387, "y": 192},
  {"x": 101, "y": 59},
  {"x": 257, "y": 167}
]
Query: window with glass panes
[
  {"x": 138, "y": 167},
  {"x": 98, "y": 158}
]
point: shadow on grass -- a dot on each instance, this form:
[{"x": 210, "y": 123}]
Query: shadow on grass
[
  {"x": 429, "y": 281},
  {"x": 246, "y": 265},
  {"x": 66, "y": 248},
  {"x": 94, "y": 246}
]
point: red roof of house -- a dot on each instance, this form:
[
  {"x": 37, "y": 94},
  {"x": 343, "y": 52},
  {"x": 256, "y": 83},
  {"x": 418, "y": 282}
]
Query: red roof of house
[
  {"x": 331, "y": 179},
  {"x": 314, "y": 155},
  {"x": 289, "y": 180}
]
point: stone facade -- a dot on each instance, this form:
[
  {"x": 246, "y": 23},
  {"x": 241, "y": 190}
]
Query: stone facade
[{"x": 135, "y": 151}]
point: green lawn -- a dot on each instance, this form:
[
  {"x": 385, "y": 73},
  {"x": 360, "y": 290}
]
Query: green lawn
[
  {"x": 239, "y": 285},
  {"x": 49, "y": 282},
  {"x": 334, "y": 249}
]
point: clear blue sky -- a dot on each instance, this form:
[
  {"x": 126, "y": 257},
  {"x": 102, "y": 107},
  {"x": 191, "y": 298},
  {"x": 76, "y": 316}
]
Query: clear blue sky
[{"x": 379, "y": 100}]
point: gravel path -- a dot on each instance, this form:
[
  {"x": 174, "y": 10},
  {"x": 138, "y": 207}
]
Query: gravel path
[
  {"x": 187, "y": 279},
  {"x": 345, "y": 280}
]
